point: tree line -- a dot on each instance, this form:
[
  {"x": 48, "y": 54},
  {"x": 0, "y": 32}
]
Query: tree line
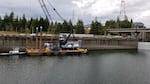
[{"x": 24, "y": 25}]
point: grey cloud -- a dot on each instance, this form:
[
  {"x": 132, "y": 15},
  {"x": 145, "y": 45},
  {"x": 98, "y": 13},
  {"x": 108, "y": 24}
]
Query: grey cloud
[{"x": 31, "y": 8}]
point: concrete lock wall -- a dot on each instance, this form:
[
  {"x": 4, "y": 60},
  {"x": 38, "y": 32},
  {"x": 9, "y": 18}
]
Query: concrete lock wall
[{"x": 9, "y": 42}]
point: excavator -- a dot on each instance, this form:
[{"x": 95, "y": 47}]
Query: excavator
[{"x": 67, "y": 46}]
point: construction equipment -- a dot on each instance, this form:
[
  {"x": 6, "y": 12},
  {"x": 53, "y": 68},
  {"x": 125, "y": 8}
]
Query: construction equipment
[
  {"x": 46, "y": 11},
  {"x": 56, "y": 11}
]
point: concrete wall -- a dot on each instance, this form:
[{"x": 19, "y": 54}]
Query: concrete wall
[{"x": 11, "y": 41}]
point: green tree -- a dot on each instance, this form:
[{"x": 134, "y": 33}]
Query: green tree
[
  {"x": 34, "y": 24},
  {"x": 79, "y": 27},
  {"x": 11, "y": 19},
  {"x": 58, "y": 27},
  {"x": 70, "y": 26},
  {"x": 16, "y": 24},
  {"x": 6, "y": 22},
  {"x": 48, "y": 25},
  {"x": 131, "y": 23},
  {"x": 111, "y": 24},
  {"x": 125, "y": 24},
  {"x": 1, "y": 23},
  {"x": 65, "y": 27},
  {"x": 23, "y": 22},
  {"x": 96, "y": 28},
  {"x": 41, "y": 23}
]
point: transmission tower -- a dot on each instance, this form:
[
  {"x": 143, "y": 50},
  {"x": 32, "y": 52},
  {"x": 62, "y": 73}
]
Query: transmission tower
[{"x": 122, "y": 15}]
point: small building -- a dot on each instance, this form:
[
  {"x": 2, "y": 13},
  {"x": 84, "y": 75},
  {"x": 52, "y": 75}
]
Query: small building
[{"x": 138, "y": 25}]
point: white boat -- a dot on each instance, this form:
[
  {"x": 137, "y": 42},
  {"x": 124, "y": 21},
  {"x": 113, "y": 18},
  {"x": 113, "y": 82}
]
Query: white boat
[{"x": 15, "y": 51}]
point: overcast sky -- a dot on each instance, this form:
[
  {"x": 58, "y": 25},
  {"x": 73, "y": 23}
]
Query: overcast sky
[{"x": 87, "y": 10}]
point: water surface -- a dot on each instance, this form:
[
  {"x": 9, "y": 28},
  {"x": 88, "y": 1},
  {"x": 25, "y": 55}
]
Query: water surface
[{"x": 98, "y": 67}]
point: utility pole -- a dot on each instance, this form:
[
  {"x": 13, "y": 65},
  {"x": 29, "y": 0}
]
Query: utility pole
[
  {"x": 40, "y": 37},
  {"x": 36, "y": 42}
]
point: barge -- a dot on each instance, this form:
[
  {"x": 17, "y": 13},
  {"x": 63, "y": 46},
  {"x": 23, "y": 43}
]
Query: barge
[{"x": 63, "y": 47}]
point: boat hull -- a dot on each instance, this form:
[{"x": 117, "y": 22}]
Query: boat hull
[
  {"x": 38, "y": 52},
  {"x": 69, "y": 51}
]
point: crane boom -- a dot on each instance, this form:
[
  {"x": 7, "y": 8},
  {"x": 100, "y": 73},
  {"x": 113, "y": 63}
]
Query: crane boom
[
  {"x": 45, "y": 10},
  {"x": 56, "y": 11}
]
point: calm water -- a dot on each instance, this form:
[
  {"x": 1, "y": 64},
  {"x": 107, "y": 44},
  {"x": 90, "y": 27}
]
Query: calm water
[{"x": 98, "y": 67}]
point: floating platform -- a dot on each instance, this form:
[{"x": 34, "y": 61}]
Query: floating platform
[
  {"x": 47, "y": 51},
  {"x": 37, "y": 52},
  {"x": 76, "y": 51}
]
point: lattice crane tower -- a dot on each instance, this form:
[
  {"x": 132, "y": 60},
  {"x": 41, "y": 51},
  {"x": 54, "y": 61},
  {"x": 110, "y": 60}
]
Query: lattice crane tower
[{"x": 122, "y": 15}]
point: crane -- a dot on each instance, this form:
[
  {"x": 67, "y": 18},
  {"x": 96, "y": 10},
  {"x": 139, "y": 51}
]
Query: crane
[
  {"x": 63, "y": 41},
  {"x": 45, "y": 10},
  {"x": 56, "y": 11}
]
